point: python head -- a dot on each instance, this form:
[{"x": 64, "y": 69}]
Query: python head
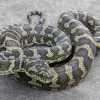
[{"x": 40, "y": 72}]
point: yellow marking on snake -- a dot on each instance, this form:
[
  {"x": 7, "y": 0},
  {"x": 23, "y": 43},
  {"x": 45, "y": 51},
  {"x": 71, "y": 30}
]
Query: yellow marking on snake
[
  {"x": 21, "y": 53},
  {"x": 35, "y": 52},
  {"x": 88, "y": 48},
  {"x": 35, "y": 77},
  {"x": 68, "y": 71},
  {"x": 34, "y": 39},
  {"x": 49, "y": 54},
  {"x": 12, "y": 65},
  {"x": 55, "y": 78},
  {"x": 77, "y": 38},
  {"x": 78, "y": 27},
  {"x": 42, "y": 41},
  {"x": 26, "y": 42},
  {"x": 81, "y": 65}
]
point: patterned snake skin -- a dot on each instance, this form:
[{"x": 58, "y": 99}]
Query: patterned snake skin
[{"x": 48, "y": 57}]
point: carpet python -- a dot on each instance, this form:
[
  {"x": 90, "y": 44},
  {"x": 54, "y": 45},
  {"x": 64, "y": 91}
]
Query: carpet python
[{"x": 48, "y": 57}]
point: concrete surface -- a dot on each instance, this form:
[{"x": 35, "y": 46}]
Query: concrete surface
[{"x": 14, "y": 11}]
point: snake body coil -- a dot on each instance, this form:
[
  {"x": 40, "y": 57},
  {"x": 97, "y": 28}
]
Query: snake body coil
[{"x": 28, "y": 52}]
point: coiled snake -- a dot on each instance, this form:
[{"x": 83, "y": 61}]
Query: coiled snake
[{"x": 50, "y": 57}]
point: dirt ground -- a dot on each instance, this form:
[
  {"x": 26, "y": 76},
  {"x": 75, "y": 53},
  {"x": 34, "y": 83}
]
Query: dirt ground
[{"x": 15, "y": 11}]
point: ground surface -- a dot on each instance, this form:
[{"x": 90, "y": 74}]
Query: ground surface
[{"x": 14, "y": 11}]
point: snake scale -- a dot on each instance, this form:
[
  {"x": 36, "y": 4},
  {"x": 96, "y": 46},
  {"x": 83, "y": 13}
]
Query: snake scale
[{"x": 50, "y": 57}]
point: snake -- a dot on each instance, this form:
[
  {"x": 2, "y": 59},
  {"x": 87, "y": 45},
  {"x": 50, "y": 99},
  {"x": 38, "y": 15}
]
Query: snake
[{"x": 51, "y": 58}]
